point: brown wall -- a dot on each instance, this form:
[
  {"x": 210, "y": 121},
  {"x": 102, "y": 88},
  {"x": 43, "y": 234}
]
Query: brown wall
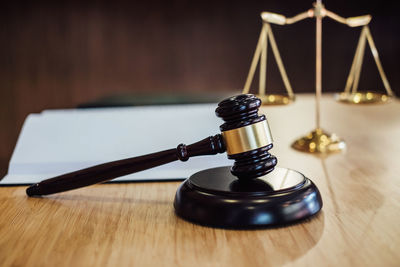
[{"x": 59, "y": 54}]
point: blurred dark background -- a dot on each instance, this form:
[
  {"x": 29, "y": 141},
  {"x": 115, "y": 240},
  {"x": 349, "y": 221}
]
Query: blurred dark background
[{"x": 61, "y": 54}]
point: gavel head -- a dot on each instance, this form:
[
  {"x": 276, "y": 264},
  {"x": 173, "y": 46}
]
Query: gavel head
[{"x": 246, "y": 136}]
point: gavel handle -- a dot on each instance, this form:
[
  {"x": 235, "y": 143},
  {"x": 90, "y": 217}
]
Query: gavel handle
[{"x": 107, "y": 171}]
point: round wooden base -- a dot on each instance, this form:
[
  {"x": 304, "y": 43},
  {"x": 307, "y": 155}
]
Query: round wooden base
[{"x": 214, "y": 197}]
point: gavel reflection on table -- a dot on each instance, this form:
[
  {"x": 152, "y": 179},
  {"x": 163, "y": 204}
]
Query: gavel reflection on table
[{"x": 248, "y": 194}]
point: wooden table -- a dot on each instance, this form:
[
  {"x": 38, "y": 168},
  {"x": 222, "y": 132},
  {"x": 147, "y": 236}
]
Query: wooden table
[{"x": 135, "y": 225}]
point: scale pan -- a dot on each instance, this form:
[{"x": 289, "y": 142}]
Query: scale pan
[
  {"x": 366, "y": 97},
  {"x": 275, "y": 99}
]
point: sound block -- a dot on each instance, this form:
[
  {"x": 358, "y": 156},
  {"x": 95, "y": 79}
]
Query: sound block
[{"x": 214, "y": 197}]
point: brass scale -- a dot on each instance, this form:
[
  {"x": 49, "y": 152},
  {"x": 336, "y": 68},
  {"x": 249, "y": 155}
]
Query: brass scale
[{"x": 317, "y": 141}]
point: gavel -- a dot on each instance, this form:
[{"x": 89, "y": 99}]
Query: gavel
[{"x": 245, "y": 136}]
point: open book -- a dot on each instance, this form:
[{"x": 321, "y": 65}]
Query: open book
[{"x": 59, "y": 141}]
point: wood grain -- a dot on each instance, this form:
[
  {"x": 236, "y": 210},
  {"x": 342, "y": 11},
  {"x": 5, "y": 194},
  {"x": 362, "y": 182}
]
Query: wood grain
[{"x": 135, "y": 225}]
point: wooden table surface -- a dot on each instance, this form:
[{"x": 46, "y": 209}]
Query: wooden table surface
[{"x": 135, "y": 225}]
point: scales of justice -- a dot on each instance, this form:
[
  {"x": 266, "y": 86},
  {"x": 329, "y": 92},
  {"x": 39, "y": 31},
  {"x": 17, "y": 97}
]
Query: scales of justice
[{"x": 317, "y": 141}]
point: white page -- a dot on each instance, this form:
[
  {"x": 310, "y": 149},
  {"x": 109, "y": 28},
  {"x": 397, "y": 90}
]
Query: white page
[{"x": 59, "y": 141}]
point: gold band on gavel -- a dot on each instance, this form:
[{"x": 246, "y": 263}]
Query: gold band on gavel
[{"x": 247, "y": 138}]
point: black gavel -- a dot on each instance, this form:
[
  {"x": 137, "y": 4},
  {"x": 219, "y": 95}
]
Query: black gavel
[{"x": 245, "y": 137}]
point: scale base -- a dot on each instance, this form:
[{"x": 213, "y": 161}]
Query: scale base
[
  {"x": 362, "y": 98},
  {"x": 273, "y": 99},
  {"x": 319, "y": 141},
  {"x": 214, "y": 197}
]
